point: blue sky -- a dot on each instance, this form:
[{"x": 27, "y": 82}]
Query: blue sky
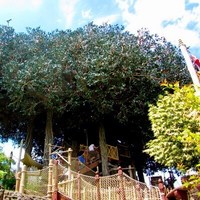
[{"x": 173, "y": 19}]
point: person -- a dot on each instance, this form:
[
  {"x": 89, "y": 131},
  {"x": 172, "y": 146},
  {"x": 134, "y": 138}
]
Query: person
[
  {"x": 93, "y": 152},
  {"x": 81, "y": 157},
  {"x": 92, "y": 147},
  {"x": 162, "y": 188},
  {"x": 179, "y": 193}
]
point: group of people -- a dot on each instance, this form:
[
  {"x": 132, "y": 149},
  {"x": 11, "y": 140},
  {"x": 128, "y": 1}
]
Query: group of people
[
  {"x": 89, "y": 155},
  {"x": 179, "y": 193}
]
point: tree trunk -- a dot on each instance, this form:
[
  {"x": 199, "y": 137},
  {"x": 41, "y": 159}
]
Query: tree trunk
[
  {"x": 75, "y": 147},
  {"x": 48, "y": 136},
  {"x": 133, "y": 170},
  {"x": 29, "y": 136},
  {"x": 139, "y": 170},
  {"x": 103, "y": 150}
]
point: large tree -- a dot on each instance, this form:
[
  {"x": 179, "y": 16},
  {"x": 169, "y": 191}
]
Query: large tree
[
  {"x": 34, "y": 78},
  {"x": 117, "y": 74},
  {"x": 96, "y": 74}
]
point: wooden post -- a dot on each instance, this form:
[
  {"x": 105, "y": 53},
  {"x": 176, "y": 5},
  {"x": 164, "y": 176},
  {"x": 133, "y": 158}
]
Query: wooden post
[
  {"x": 49, "y": 151},
  {"x": 97, "y": 185},
  {"x": 22, "y": 181},
  {"x": 121, "y": 180},
  {"x": 71, "y": 186},
  {"x": 130, "y": 171},
  {"x": 79, "y": 186},
  {"x": 49, "y": 189},
  {"x": 109, "y": 193},
  {"x": 69, "y": 162},
  {"x": 55, "y": 182},
  {"x": 17, "y": 184}
]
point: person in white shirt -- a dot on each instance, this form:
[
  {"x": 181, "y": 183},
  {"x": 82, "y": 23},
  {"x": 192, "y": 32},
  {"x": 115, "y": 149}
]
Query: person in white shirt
[
  {"x": 93, "y": 152},
  {"x": 92, "y": 147}
]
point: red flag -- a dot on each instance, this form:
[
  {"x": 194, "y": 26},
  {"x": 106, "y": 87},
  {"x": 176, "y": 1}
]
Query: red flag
[{"x": 196, "y": 62}]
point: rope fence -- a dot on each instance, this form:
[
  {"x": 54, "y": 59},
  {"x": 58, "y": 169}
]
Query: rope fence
[
  {"x": 65, "y": 179},
  {"x": 119, "y": 186},
  {"x": 54, "y": 178}
]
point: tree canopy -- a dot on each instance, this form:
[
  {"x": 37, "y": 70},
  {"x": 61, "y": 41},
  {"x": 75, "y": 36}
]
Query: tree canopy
[{"x": 90, "y": 76}]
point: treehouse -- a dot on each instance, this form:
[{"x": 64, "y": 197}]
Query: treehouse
[
  {"x": 117, "y": 155},
  {"x": 93, "y": 159}
]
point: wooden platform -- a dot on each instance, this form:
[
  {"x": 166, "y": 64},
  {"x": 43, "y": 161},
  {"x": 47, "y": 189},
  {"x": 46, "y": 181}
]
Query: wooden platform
[{"x": 89, "y": 167}]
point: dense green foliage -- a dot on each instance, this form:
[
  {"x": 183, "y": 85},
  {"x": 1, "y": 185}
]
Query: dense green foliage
[{"x": 175, "y": 122}]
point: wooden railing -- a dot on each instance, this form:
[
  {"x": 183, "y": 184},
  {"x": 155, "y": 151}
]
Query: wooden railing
[{"x": 113, "y": 152}]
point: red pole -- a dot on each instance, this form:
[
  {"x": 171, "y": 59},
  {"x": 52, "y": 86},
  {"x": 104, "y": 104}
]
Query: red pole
[
  {"x": 56, "y": 176},
  {"x": 121, "y": 187}
]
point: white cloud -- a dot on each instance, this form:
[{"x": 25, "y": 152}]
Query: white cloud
[
  {"x": 124, "y": 4},
  {"x": 159, "y": 9},
  {"x": 152, "y": 14},
  {"x": 68, "y": 8},
  {"x": 20, "y": 4},
  {"x": 193, "y": 1},
  {"x": 174, "y": 33},
  {"x": 37, "y": 3},
  {"x": 110, "y": 19},
  {"x": 86, "y": 14}
]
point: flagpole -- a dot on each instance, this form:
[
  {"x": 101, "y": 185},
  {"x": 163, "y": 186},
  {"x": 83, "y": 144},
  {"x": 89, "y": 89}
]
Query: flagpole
[{"x": 190, "y": 67}]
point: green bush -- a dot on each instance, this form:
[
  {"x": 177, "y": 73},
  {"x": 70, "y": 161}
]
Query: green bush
[
  {"x": 7, "y": 178},
  {"x": 9, "y": 183}
]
